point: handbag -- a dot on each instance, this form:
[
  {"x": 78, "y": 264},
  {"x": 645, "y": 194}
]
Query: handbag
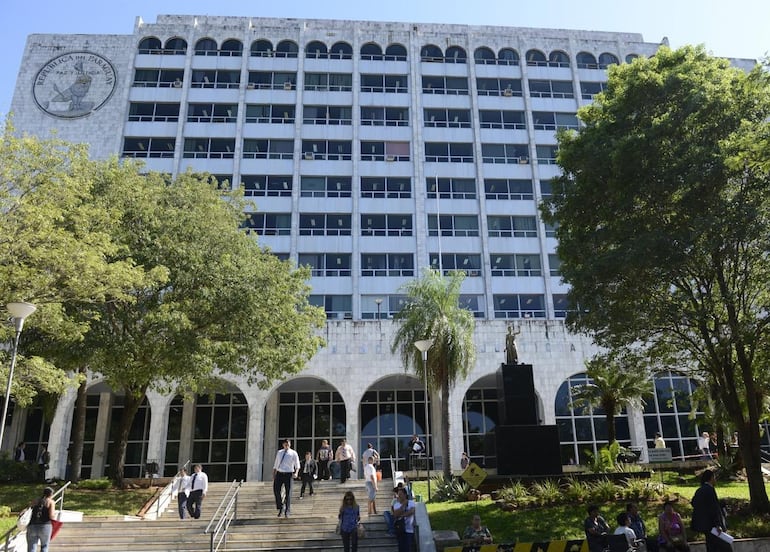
[
  {"x": 400, "y": 526},
  {"x": 361, "y": 530},
  {"x": 24, "y": 518},
  {"x": 337, "y": 529}
]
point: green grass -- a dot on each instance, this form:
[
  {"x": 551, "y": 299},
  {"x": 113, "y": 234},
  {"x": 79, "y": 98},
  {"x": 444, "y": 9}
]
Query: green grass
[
  {"x": 111, "y": 502},
  {"x": 566, "y": 521}
]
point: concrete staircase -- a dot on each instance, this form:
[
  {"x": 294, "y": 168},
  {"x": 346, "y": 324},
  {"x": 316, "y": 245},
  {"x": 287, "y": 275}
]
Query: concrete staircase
[{"x": 310, "y": 527}]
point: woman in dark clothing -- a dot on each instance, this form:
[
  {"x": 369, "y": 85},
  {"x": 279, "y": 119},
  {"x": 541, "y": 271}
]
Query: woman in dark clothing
[
  {"x": 349, "y": 517},
  {"x": 39, "y": 528}
]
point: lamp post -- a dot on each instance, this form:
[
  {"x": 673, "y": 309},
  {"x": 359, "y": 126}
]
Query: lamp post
[
  {"x": 378, "y": 301},
  {"x": 423, "y": 345},
  {"x": 19, "y": 311}
]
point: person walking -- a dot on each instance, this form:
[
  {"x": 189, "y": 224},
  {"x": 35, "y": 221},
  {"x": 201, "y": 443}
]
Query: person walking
[
  {"x": 370, "y": 476},
  {"x": 285, "y": 468},
  {"x": 370, "y": 452},
  {"x": 346, "y": 457},
  {"x": 403, "y": 513},
  {"x": 349, "y": 517},
  {"x": 43, "y": 461},
  {"x": 199, "y": 486},
  {"x": 182, "y": 490},
  {"x": 308, "y": 470},
  {"x": 40, "y": 527},
  {"x": 324, "y": 456},
  {"x": 707, "y": 514}
]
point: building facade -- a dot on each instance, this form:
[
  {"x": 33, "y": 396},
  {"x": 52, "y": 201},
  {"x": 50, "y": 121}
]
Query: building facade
[{"x": 368, "y": 150}]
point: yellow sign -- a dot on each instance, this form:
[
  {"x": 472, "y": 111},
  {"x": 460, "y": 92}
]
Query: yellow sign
[{"x": 474, "y": 475}]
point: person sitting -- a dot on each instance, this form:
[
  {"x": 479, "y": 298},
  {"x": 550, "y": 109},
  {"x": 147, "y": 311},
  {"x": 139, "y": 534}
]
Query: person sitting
[
  {"x": 476, "y": 534},
  {"x": 596, "y": 530},
  {"x": 388, "y": 514},
  {"x": 672, "y": 535},
  {"x": 624, "y": 528},
  {"x": 640, "y": 529}
]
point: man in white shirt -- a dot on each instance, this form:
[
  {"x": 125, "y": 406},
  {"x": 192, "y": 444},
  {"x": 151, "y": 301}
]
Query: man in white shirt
[
  {"x": 285, "y": 469},
  {"x": 370, "y": 452},
  {"x": 182, "y": 490},
  {"x": 199, "y": 486},
  {"x": 659, "y": 442},
  {"x": 345, "y": 457}
]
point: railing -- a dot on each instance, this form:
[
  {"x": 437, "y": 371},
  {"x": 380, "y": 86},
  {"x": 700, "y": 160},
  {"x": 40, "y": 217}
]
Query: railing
[
  {"x": 13, "y": 532},
  {"x": 165, "y": 496},
  {"x": 224, "y": 516}
]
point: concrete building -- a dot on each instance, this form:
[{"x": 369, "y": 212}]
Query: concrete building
[{"x": 369, "y": 150}]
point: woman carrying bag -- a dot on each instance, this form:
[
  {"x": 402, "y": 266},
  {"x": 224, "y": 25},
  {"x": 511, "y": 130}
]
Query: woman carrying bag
[{"x": 40, "y": 526}]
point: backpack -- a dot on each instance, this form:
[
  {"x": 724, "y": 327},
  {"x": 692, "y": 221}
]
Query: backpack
[{"x": 39, "y": 513}]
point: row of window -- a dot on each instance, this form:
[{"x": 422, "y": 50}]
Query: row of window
[
  {"x": 343, "y": 82},
  {"x": 402, "y": 264},
  {"x": 505, "y": 306},
  {"x": 373, "y": 51},
  {"x": 394, "y": 187},
  {"x": 378, "y": 224},
  {"x": 343, "y": 115},
  {"x": 334, "y": 150}
]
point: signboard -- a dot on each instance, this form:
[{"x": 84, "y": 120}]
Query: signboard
[
  {"x": 659, "y": 455},
  {"x": 474, "y": 475}
]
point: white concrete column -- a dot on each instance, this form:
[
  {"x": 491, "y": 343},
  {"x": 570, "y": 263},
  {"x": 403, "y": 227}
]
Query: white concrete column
[
  {"x": 102, "y": 435},
  {"x": 636, "y": 428},
  {"x": 186, "y": 433},
  {"x": 269, "y": 429},
  {"x": 59, "y": 434},
  {"x": 159, "y": 411},
  {"x": 255, "y": 437},
  {"x": 456, "y": 430}
]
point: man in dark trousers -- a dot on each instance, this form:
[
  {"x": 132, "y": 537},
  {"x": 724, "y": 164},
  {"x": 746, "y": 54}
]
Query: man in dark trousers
[
  {"x": 308, "y": 470},
  {"x": 285, "y": 469},
  {"x": 707, "y": 514},
  {"x": 199, "y": 486}
]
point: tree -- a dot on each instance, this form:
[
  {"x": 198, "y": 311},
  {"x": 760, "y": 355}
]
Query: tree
[
  {"x": 663, "y": 214},
  {"x": 433, "y": 311},
  {"x": 618, "y": 381},
  {"x": 55, "y": 248},
  {"x": 219, "y": 303}
]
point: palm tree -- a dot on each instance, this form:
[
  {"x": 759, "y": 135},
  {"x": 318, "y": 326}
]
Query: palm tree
[
  {"x": 433, "y": 311},
  {"x": 618, "y": 379}
]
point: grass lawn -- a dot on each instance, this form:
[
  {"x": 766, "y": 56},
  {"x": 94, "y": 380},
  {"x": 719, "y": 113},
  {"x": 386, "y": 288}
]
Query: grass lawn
[
  {"x": 110, "y": 502},
  {"x": 566, "y": 521}
]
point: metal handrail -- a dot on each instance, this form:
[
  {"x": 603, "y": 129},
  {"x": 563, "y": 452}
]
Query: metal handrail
[
  {"x": 165, "y": 495},
  {"x": 221, "y": 521},
  {"x": 13, "y": 532}
]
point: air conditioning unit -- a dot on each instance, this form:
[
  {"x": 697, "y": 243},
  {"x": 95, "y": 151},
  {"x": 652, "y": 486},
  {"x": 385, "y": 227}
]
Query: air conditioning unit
[
  {"x": 308, "y": 156},
  {"x": 287, "y": 85},
  {"x": 390, "y": 158},
  {"x": 523, "y": 160},
  {"x": 508, "y": 92},
  {"x": 177, "y": 83},
  {"x": 251, "y": 86}
]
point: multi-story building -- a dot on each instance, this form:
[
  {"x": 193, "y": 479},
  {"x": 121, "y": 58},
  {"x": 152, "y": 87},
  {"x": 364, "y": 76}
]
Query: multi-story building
[{"x": 369, "y": 150}]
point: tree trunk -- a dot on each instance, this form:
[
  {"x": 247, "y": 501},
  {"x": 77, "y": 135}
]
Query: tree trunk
[
  {"x": 75, "y": 451},
  {"x": 750, "y": 451},
  {"x": 610, "y": 427},
  {"x": 118, "y": 457},
  {"x": 447, "y": 466}
]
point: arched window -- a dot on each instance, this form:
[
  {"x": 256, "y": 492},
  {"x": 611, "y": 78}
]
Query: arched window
[
  {"x": 484, "y": 55},
  {"x": 287, "y": 49},
  {"x": 371, "y": 50},
  {"x": 605, "y": 60},
  {"x": 176, "y": 46},
  {"x": 262, "y": 48},
  {"x": 480, "y": 416},
  {"x": 431, "y": 53},
  {"x": 150, "y": 45},
  {"x": 316, "y": 50},
  {"x": 206, "y": 47},
  {"x": 232, "y": 47},
  {"x": 508, "y": 56},
  {"x": 395, "y": 52},
  {"x": 586, "y": 61},
  {"x": 455, "y": 54},
  {"x": 558, "y": 59},
  {"x": 584, "y": 428},
  {"x": 631, "y": 57},
  {"x": 536, "y": 58},
  {"x": 341, "y": 50}
]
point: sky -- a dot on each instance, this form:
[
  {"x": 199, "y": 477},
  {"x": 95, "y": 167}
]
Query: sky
[{"x": 736, "y": 28}]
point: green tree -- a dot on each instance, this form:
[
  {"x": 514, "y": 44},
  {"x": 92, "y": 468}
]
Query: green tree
[
  {"x": 618, "y": 380},
  {"x": 55, "y": 248},
  {"x": 663, "y": 226},
  {"x": 433, "y": 311}
]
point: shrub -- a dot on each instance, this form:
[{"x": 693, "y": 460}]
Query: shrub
[
  {"x": 515, "y": 494},
  {"x": 5, "y": 511},
  {"x": 95, "y": 484},
  {"x": 604, "y": 490},
  {"x": 576, "y": 490},
  {"x": 546, "y": 492},
  {"x": 19, "y": 472},
  {"x": 448, "y": 488}
]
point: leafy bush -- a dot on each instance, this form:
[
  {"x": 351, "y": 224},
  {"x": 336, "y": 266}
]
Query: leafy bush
[
  {"x": 612, "y": 458},
  {"x": 641, "y": 489},
  {"x": 515, "y": 493},
  {"x": 546, "y": 492},
  {"x": 604, "y": 490},
  {"x": 449, "y": 488},
  {"x": 576, "y": 490},
  {"x": 19, "y": 472},
  {"x": 5, "y": 511},
  {"x": 95, "y": 484}
]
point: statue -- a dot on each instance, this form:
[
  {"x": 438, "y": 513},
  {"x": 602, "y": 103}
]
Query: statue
[{"x": 511, "y": 351}]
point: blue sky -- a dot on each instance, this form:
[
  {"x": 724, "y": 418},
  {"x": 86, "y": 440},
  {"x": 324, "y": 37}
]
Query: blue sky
[{"x": 736, "y": 28}]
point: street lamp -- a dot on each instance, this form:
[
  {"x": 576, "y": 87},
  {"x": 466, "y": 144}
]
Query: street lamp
[
  {"x": 378, "y": 301},
  {"x": 423, "y": 345},
  {"x": 19, "y": 311}
]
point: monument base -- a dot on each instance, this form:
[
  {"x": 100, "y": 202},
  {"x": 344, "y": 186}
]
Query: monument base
[{"x": 528, "y": 450}]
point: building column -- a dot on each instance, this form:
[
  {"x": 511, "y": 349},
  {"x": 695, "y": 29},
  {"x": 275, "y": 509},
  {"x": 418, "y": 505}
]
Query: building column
[
  {"x": 270, "y": 437},
  {"x": 159, "y": 411},
  {"x": 456, "y": 429},
  {"x": 186, "y": 434},
  {"x": 102, "y": 435},
  {"x": 637, "y": 431},
  {"x": 59, "y": 434},
  {"x": 256, "y": 434}
]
